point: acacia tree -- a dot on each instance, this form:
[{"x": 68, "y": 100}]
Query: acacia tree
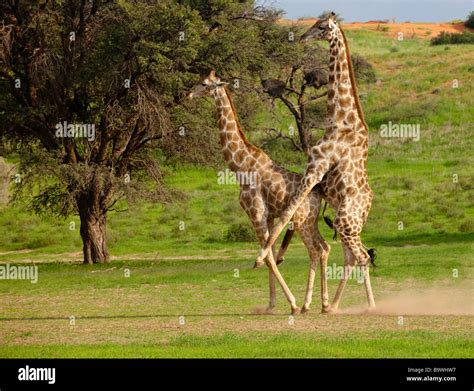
[
  {"x": 115, "y": 71},
  {"x": 80, "y": 108},
  {"x": 297, "y": 88},
  {"x": 302, "y": 86}
]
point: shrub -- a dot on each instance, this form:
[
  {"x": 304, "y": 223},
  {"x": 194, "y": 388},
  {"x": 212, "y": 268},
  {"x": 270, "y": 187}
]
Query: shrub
[
  {"x": 445, "y": 38},
  {"x": 466, "y": 226},
  {"x": 240, "y": 232},
  {"x": 363, "y": 69},
  {"x": 470, "y": 20}
]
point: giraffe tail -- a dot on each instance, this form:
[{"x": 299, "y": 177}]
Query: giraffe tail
[
  {"x": 284, "y": 245},
  {"x": 372, "y": 252},
  {"x": 329, "y": 222}
]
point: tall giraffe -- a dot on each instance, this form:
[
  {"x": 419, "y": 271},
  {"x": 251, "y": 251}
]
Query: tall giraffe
[
  {"x": 265, "y": 198},
  {"x": 338, "y": 161}
]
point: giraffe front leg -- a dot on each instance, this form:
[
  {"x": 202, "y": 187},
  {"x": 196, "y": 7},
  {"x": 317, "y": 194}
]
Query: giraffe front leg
[
  {"x": 295, "y": 310},
  {"x": 314, "y": 174},
  {"x": 272, "y": 291},
  {"x": 271, "y": 276},
  {"x": 307, "y": 233}
]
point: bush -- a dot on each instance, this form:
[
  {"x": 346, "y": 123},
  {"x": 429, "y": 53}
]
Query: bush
[
  {"x": 470, "y": 20},
  {"x": 466, "y": 226},
  {"x": 240, "y": 232},
  {"x": 445, "y": 38},
  {"x": 364, "y": 71}
]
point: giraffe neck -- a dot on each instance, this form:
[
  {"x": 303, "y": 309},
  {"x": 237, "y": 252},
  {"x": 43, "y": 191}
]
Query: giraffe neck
[
  {"x": 235, "y": 146},
  {"x": 344, "y": 109}
]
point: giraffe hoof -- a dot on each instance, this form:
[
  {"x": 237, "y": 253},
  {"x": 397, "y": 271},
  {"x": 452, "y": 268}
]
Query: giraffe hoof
[
  {"x": 268, "y": 311},
  {"x": 295, "y": 311},
  {"x": 304, "y": 309},
  {"x": 258, "y": 264},
  {"x": 280, "y": 260},
  {"x": 327, "y": 310}
]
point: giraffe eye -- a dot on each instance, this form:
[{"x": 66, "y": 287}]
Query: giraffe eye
[{"x": 204, "y": 84}]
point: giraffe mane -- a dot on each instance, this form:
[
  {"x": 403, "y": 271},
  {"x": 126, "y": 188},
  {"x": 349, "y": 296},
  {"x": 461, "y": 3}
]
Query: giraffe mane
[
  {"x": 353, "y": 81},
  {"x": 239, "y": 128}
]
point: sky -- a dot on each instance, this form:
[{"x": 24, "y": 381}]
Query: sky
[{"x": 364, "y": 10}]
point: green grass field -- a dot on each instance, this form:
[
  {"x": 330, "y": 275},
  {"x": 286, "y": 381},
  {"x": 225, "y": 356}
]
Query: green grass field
[{"x": 174, "y": 293}]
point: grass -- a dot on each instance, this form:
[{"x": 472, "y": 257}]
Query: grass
[
  {"x": 421, "y": 223},
  {"x": 285, "y": 345}
]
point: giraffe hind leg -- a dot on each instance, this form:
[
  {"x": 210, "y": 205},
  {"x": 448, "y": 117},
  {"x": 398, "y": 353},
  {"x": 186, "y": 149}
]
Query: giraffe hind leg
[{"x": 318, "y": 251}]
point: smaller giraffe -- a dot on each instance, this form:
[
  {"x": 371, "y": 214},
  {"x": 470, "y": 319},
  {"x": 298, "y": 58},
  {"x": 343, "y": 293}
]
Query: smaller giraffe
[{"x": 266, "y": 198}]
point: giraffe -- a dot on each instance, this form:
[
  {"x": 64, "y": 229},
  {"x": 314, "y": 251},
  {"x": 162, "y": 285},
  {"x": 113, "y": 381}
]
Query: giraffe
[
  {"x": 265, "y": 199},
  {"x": 338, "y": 162}
]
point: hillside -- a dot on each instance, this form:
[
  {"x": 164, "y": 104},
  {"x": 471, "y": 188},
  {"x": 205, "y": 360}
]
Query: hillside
[{"x": 409, "y": 30}]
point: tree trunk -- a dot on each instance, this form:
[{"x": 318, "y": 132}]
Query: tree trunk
[
  {"x": 303, "y": 135},
  {"x": 93, "y": 232}
]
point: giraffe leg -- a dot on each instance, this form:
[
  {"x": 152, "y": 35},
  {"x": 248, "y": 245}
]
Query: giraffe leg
[
  {"x": 368, "y": 288},
  {"x": 314, "y": 256},
  {"x": 315, "y": 171},
  {"x": 355, "y": 254},
  {"x": 349, "y": 263},
  {"x": 323, "y": 264},
  {"x": 318, "y": 250},
  {"x": 284, "y": 246},
  {"x": 362, "y": 259},
  {"x": 261, "y": 228},
  {"x": 272, "y": 290},
  {"x": 281, "y": 252},
  {"x": 271, "y": 276},
  {"x": 291, "y": 299}
]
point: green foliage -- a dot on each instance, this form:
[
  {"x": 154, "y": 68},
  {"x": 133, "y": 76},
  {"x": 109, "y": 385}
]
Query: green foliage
[
  {"x": 240, "y": 232},
  {"x": 445, "y": 38},
  {"x": 470, "y": 20},
  {"x": 364, "y": 70}
]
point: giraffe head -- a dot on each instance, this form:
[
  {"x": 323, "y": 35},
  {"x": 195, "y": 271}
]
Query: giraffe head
[
  {"x": 323, "y": 29},
  {"x": 206, "y": 86}
]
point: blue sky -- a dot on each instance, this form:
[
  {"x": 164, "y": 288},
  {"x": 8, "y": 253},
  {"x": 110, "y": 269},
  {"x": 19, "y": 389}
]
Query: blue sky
[{"x": 364, "y": 10}]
